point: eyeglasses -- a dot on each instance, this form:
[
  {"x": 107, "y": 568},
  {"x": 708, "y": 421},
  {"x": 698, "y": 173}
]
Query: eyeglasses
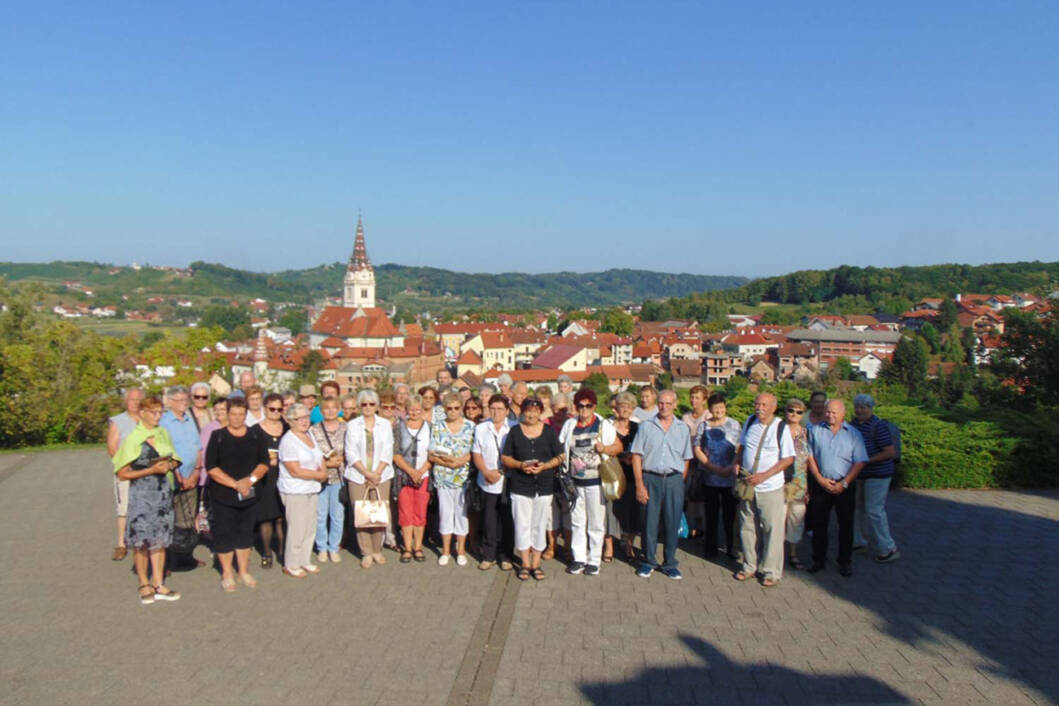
[
  {"x": 388, "y": 406},
  {"x": 799, "y": 412},
  {"x": 274, "y": 409},
  {"x": 298, "y": 419},
  {"x": 451, "y": 409},
  {"x": 200, "y": 397},
  {"x": 367, "y": 404},
  {"x": 585, "y": 405}
]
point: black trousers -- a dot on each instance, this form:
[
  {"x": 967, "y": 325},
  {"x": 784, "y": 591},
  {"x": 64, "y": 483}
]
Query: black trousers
[
  {"x": 498, "y": 530},
  {"x": 721, "y": 503},
  {"x": 819, "y": 515}
]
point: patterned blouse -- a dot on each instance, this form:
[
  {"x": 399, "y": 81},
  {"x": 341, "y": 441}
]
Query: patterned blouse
[
  {"x": 799, "y": 479},
  {"x": 331, "y": 440},
  {"x": 444, "y": 441}
]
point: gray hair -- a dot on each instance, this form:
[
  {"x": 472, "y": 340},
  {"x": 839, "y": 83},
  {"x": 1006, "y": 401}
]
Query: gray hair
[
  {"x": 564, "y": 378},
  {"x": 415, "y": 400},
  {"x": 624, "y": 397},
  {"x": 487, "y": 387},
  {"x": 399, "y": 385},
  {"x": 176, "y": 390},
  {"x": 560, "y": 399},
  {"x": 200, "y": 385},
  {"x": 297, "y": 410},
  {"x": 504, "y": 379},
  {"x": 367, "y": 396},
  {"x": 864, "y": 399}
]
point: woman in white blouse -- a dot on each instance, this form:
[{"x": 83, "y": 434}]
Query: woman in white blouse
[
  {"x": 300, "y": 472},
  {"x": 369, "y": 466}
]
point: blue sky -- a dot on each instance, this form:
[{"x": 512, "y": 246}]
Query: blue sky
[{"x": 740, "y": 138}]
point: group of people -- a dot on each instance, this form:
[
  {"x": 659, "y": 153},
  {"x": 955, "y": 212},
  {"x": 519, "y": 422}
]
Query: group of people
[{"x": 497, "y": 472}]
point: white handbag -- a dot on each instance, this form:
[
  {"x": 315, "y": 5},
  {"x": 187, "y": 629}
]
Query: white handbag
[{"x": 371, "y": 514}]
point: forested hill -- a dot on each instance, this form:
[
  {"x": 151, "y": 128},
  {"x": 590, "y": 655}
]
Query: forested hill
[
  {"x": 891, "y": 289},
  {"x": 488, "y": 290}
]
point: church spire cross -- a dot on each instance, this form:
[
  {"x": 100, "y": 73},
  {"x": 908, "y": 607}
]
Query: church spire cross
[{"x": 359, "y": 260}]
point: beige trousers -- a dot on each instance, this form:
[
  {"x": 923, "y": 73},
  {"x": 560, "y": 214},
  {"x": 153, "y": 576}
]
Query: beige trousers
[
  {"x": 763, "y": 518},
  {"x": 369, "y": 540},
  {"x": 300, "y": 512}
]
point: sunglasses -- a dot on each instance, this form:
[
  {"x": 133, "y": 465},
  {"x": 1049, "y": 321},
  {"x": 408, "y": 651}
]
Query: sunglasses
[
  {"x": 274, "y": 409},
  {"x": 456, "y": 408},
  {"x": 200, "y": 397},
  {"x": 796, "y": 411},
  {"x": 388, "y": 406},
  {"x": 367, "y": 404},
  {"x": 585, "y": 405}
]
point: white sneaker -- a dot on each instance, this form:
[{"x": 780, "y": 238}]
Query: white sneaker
[
  {"x": 336, "y": 557},
  {"x": 443, "y": 560},
  {"x": 321, "y": 557},
  {"x": 461, "y": 560}
]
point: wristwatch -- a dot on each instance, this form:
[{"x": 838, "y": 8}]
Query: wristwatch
[
  {"x": 253, "y": 479},
  {"x": 845, "y": 485}
]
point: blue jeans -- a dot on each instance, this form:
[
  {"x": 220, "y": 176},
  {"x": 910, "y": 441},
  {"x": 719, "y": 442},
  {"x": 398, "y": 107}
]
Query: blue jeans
[
  {"x": 665, "y": 501},
  {"x": 328, "y": 506},
  {"x": 870, "y": 524}
]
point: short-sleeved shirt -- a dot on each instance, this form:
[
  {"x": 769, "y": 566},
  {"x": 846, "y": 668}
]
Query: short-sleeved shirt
[
  {"x": 718, "y": 443},
  {"x": 331, "y": 442},
  {"x": 291, "y": 448},
  {"x": 442, "y": 440},
  {"x": 876, "y": 434},
  {"x": 663, "y": 451},
  {"x": 237, "y": 456},
  {"x": 754, "y": 433},
  {"x": 488, "y": 442},
  {"x": 185, "y": 435},
  {"x": 835, "y": 453},
  {"x": 542, "y": 448}
]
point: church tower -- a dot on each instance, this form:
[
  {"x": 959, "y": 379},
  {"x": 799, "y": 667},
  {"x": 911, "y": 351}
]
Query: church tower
[{"x": 359, "y": 288}]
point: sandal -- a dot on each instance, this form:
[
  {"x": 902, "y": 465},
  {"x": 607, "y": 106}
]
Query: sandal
[
  {"x": 248, "y": 581},
  {"x": 538, "y": 574},
  {"x": 406, "y": 557},
  {"x": 228, "y": 585},
  {"x": 266, "y": 561},
  {"x": 146, "y": 598},
  {"x": 523, "y": 574},
  {"x": 769, "y": 583},
  {"x": 418, "y": 555},
  {"x": 164, "y": 593},
  {"x": 743, "y": 575},
  {"x": 796, "y": 563}
]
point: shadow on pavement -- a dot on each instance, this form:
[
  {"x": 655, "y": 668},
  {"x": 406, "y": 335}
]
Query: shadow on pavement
[{"x": 720, "y": 680}]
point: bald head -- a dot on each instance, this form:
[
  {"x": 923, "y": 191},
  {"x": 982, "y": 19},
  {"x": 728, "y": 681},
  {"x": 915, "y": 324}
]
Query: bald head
[
  {"x": 765, "y": 407},
  {"x": 667, "y": 404},
  {"x": 835, "y": 413}
]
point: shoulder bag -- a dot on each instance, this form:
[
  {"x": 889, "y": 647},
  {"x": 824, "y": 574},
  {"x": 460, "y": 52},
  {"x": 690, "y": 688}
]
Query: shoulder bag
[
  {"x": 742, "y": 489},
  {"x": 611, "y": 473}
]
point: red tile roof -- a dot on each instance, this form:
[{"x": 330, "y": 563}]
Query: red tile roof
[
  {"x": 554, "y": 356},
  {"x": 495, "y": 339},
  {"x": 469, "y": 357},
  {"x": 340, "y": 321}
]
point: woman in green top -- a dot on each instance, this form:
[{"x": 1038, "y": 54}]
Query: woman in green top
[{"x": 146, "y": 459}]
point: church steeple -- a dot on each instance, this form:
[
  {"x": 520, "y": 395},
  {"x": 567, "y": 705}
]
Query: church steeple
[{"x": 359, "y": 290}]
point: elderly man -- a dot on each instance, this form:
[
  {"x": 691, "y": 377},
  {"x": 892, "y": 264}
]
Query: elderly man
[
  {"x": 400, "y": 396},
  {"x": 519, "y": 392},
  {"x": 118, "y": 427},
  {"x": 307, "y": 395},
  {"x": 661, "y": 452},
  {"x": 836, "y": 457},
  {"x": 184, "y": 433},
  {"x": 765, "y": 451},
  {"x": 648, "y": 405},
  {"x": 566, "y": 385},
  {"x": 444, "y": 379},
  {"x": 246, "y": 381},
  {"x": 870, "y": 515}
]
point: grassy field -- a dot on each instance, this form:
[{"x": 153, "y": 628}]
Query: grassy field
[{"x": 125, "y": 328}]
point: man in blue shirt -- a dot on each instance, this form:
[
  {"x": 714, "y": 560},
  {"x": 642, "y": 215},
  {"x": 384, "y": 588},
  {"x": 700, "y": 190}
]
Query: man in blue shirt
[
  {"x": 184, "y": 432},
  {"x": 661, "y": 451},
  {"x": 870, "y": 524},
  {"x": 836, "y": 456}
]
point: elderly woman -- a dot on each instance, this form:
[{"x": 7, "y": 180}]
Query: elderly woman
[
  {"x": 146, "y": 458},
  {"x": 450, "y": 453},
  {"x": 694, "y": 487},
  {"x": 200, "y": 404},
  {"x": 330, "y": 436},
  {"x": 430, "y": 401},
  {"x": 869, "y": 518},
  {"x": 797, "y": 488},
  {"x": 369, "y": 469},
  {"x": 489, "y": 437},
  {"x": 628, "y": 513},
  {"x": 300, "y": 474},
  {"x": 531, "y": 452},
  {"x": 255, "y": 395},
  {"x": 236, "y": 460},
  {"x": 715, "y": 443},
  {"x": 586, "y": 439},
  {"x": 269, "y": 509},
  {"x": 411, "y": 444}
]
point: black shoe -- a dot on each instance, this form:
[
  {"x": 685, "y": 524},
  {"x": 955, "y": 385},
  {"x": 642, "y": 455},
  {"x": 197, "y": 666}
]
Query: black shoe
[
  {"x": 591, "y": 570},
  {"x": 575, "y": 568},
  {"x": 845, "y": 569},
  {"x": 816, "y": 568}
]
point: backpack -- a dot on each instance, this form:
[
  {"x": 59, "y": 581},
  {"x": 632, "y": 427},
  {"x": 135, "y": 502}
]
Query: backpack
[
  {"x": 752, "y": 419},
  {"x": 895, "y": 437}
]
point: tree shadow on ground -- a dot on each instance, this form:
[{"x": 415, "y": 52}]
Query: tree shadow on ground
[
  {"x": 721, "y": 680},
  {"x": 973, "y": 575}
]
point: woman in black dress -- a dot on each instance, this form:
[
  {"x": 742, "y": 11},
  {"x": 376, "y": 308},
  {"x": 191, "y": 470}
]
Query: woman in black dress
[
  {"x": 236, "y": 460},
  {"x": 269, "y": 508},
  {"x": 627, "y": 511}
]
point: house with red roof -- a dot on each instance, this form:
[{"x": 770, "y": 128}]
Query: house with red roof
[
  {"x": 747, "y": 345},
  {"x": 494, "y": 347},
  {"x": 567, "y": 358}
]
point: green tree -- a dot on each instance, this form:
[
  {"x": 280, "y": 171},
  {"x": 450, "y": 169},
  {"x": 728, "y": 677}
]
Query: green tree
[
  {"x": 227, "y": 317},
  {"x": 952, "y": 350},
  {"x": 616, "y": 321},
  {"x": 309, "y": 369},
  {"x": 947, "y": 314},
  {"x": 294, "y": 319},
  {"x": 1028, "y": 355},
  {"x": 970, "y": 344},
  {"x": 908, "y": 367},
  {"x": 930, "y": 335},
  {"x": 735, "y": 385}
]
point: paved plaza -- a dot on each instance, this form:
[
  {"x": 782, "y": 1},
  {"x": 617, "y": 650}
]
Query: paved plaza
[{"x": 969, "y": 615}]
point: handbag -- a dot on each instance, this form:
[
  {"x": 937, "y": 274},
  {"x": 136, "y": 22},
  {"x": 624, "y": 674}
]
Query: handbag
[
  {"x": 202, "y": 518},
  {"x": 475, "y": 502},
  {"x": 371, "y": 514},
  {"x": 611, "y": 474}
]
